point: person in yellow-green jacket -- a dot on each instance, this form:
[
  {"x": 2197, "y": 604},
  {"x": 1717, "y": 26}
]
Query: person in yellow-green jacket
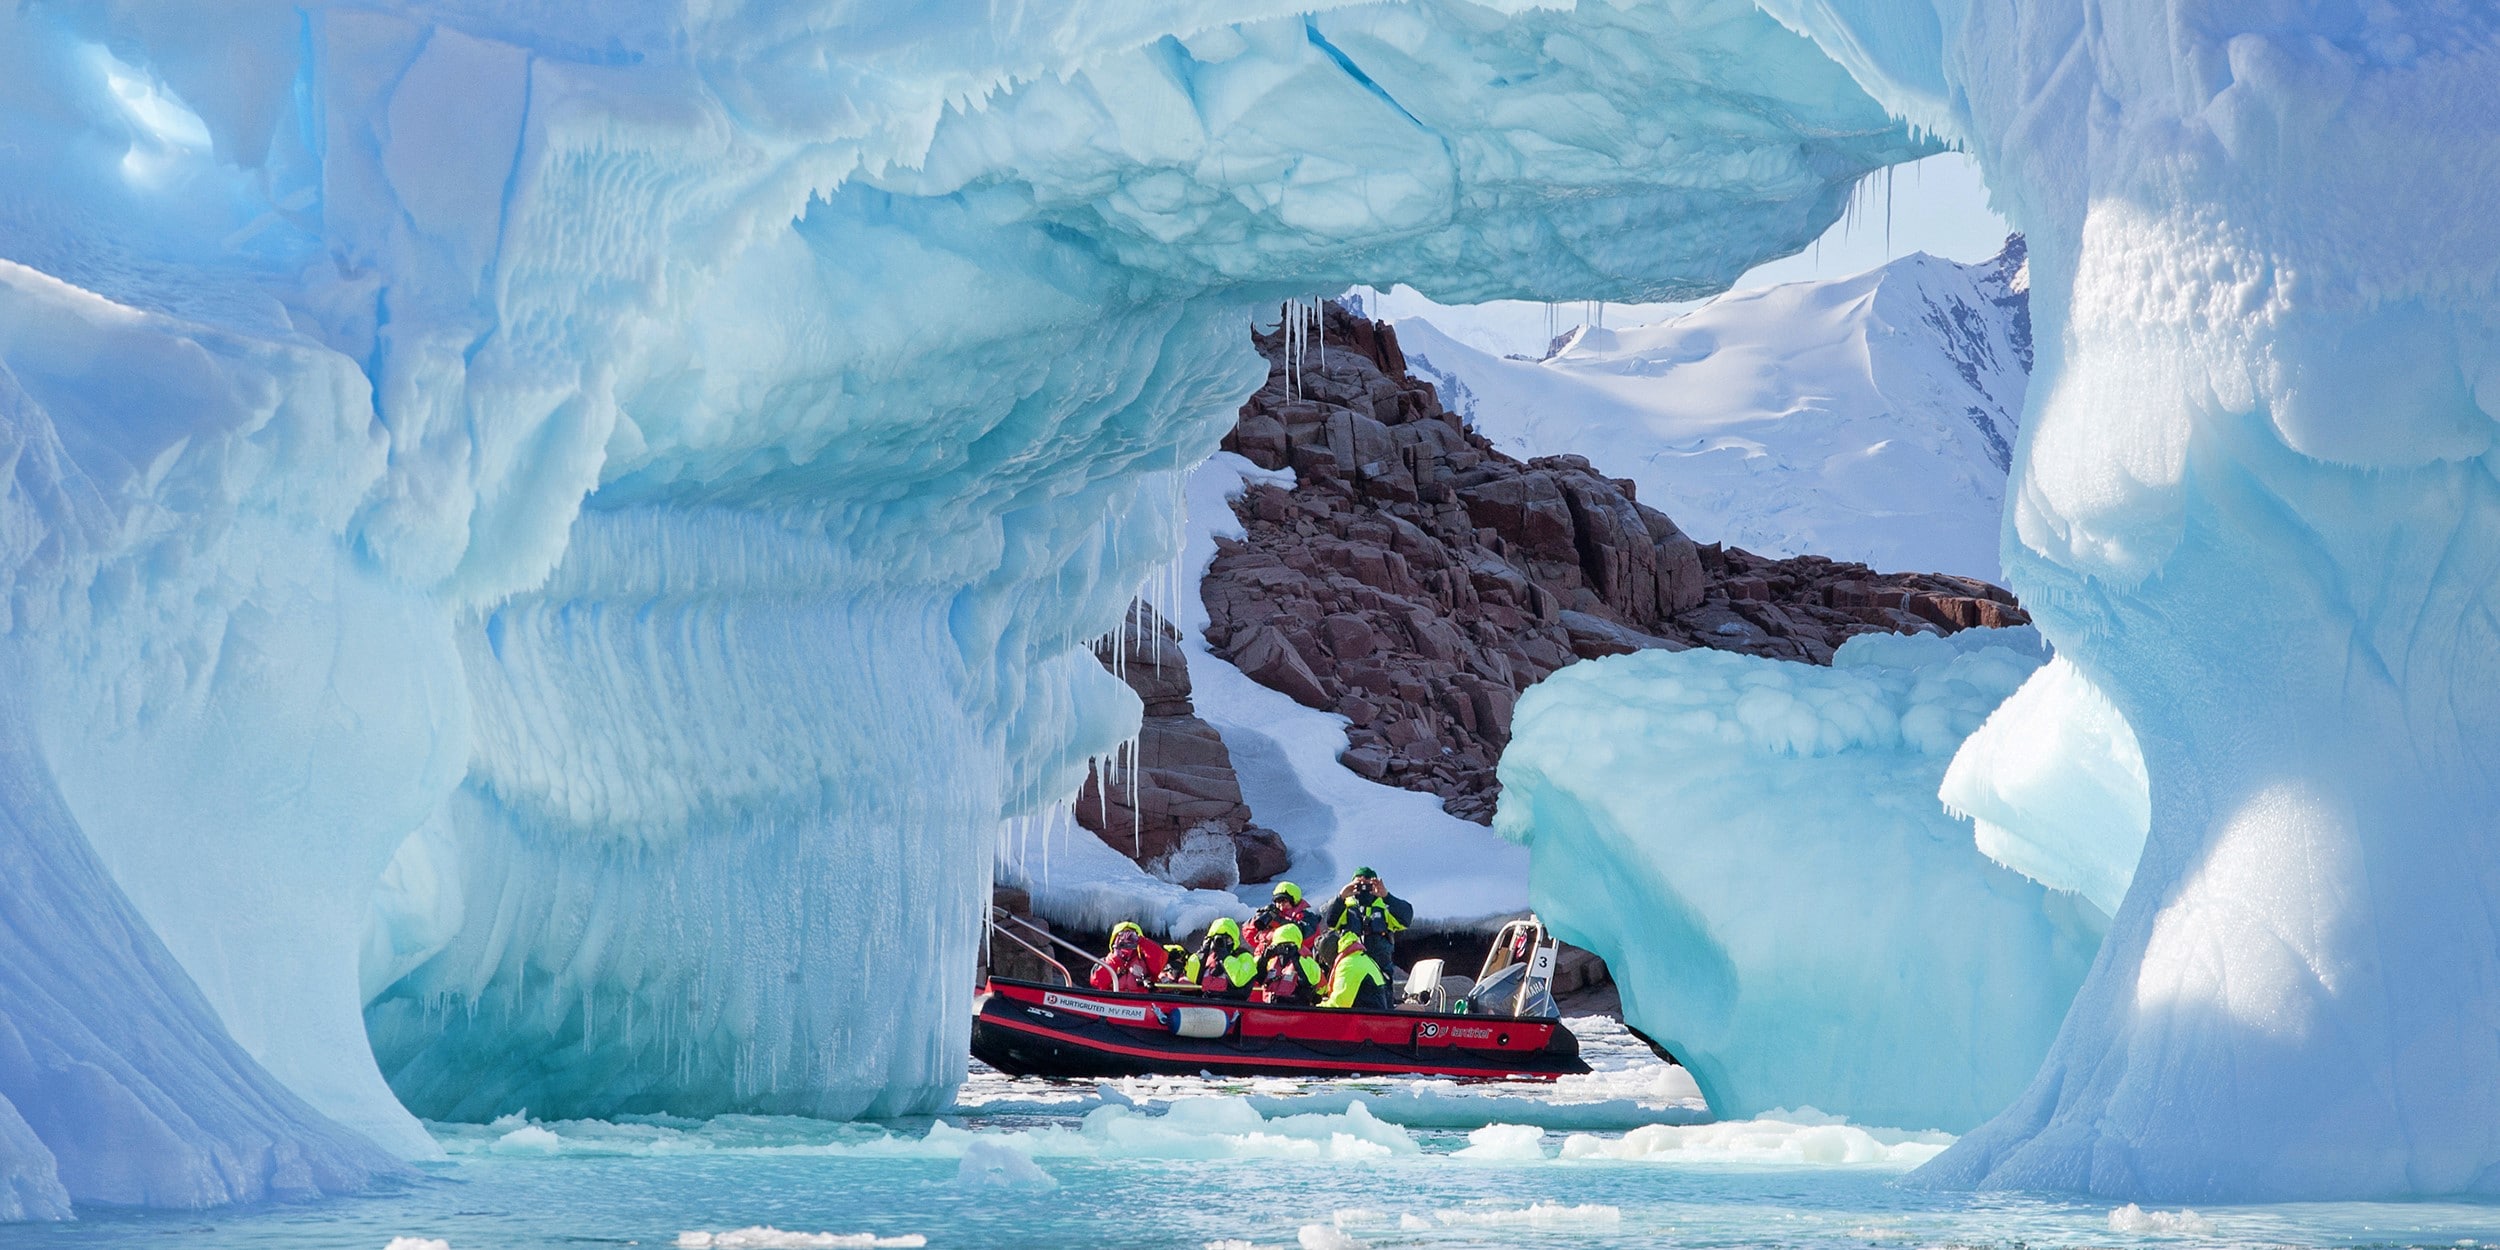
[
  {"x": 1357, "y": 980},
  {"x": 1223, "y": 967},
  {"x": 1286, "y": 974}
]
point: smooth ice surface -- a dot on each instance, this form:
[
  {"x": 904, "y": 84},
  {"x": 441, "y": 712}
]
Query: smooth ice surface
[
  {"x": 1866, "y": 418},
  {"x": 2256, "y": 505},
  {"x": 2053, "y": 785},
  {"x": 575, "y": 526},
  {"x": 1756, "y": 850},
  {"x": 117, "y": 1085}
]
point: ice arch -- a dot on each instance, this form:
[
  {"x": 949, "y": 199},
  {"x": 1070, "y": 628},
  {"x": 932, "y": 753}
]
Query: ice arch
[
  {"x": 2256, "y": 503},
  {"x": 635, "y": 477}
]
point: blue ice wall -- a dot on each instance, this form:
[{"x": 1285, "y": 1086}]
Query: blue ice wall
[
  {"x": 1755, "y": 848},
  {"x": 2257, "y": 504},
  {"x": 576, "y": 522}
]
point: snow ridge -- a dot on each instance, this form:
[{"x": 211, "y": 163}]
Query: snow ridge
[{"x": 1868, "y": 418}]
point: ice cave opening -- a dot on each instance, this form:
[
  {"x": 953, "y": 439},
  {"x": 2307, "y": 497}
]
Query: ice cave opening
[{"x": 538, "y": 560}]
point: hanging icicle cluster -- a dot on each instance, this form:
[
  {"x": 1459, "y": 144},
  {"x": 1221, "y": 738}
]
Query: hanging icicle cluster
[{"x": 1302, "y": 322}]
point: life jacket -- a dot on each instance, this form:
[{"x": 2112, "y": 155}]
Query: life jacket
[
  {"x": 1223, "y": 974},
  {"x": 1287, "y": 977}
]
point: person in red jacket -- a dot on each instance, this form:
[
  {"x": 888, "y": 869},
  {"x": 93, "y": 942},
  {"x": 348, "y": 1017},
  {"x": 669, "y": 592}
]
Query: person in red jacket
[
  {"x": 1129, "y": 968},
  {"x": 1286, "y": 975}
]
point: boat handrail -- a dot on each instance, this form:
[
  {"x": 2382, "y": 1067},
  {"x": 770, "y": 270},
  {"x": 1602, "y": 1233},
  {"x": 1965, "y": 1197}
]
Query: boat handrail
[
  {"x": 1000, "y": 916},
  {"x": 1065, "y": 977},
  {"x": 1497, "y": 958}
]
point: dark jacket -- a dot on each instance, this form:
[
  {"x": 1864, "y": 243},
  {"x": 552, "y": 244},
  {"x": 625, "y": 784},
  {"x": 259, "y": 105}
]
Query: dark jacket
[{"x": 1377, "y": 921}]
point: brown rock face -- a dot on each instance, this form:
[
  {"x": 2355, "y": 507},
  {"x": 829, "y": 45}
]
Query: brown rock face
[
  {"x": 1176, "y": 807},
  {"x": 1416, "y": 580}
]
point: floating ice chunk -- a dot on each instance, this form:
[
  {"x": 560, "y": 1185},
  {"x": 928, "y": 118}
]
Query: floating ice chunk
[
  {"x": 2181, "y": 1223},
  {"x": 417, "y": 1243},
  {"x": 1802, "y": 1139},
  {"x": 529, "y": 1139},
  {"x": 1508, "y": 1143},
  {"x": 995, "y": 1165},
  {"x": 765, "y": 1237},
  {"x": 1586, "y": 1217},
  {"x": 1327, "y": 1237}
]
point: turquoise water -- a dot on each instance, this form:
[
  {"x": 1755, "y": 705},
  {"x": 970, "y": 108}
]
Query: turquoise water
[{"x": 1624, "y": 1157}]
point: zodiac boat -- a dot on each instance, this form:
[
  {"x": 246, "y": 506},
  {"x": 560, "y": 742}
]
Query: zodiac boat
[{"x": 1501, "y": 1026}]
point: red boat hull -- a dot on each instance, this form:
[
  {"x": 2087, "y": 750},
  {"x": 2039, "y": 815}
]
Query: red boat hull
[{"x": 1026, "y": 1028}]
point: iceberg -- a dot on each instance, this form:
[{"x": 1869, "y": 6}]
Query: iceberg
[
  {"x": 1755, "y": 849},
  {"x": 2254, "y": 505},
  {"x": 544, "y": 550},
  {"x": 563, "y": 541}
]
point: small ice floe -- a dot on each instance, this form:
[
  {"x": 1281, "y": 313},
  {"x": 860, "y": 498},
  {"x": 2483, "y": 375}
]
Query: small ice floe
[
  {"x": 766, "y": 1238},
  {"x": 1776, "y": 1137},
  {"x": 2181, "y": 1223},
  {"x": 1588, "y": 1217},
  {"x": 993, "y": 1165},
  {"x": 418, "y": 1243},
  {"x": 1327, "y": 1237},
  {"x": 529, "y": 1139},
  {"x": 1505, "y": 1143}
]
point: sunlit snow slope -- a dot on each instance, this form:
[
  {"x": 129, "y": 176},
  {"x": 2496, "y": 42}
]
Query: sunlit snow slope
[
  {"x": 1867, "y": 418},
  {"x": 554, "y": 535}
]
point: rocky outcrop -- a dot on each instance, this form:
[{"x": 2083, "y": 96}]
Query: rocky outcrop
[
  {"x": 1416, "y": 580},
  {"x": 1175, "y": 807}
]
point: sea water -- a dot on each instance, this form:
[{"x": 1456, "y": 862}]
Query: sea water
[{"x": 1626, "y": 1156}]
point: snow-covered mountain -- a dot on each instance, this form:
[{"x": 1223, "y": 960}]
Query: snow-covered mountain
[{"x": 1868, "y": 418}]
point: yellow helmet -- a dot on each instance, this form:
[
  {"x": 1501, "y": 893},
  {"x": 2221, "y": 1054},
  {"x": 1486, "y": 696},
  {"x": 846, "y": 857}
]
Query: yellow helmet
[
  {"x": 1227, "y": 926},
  {"x": 1287, "y": 889},
  {"x": 1286, "y": 935}
]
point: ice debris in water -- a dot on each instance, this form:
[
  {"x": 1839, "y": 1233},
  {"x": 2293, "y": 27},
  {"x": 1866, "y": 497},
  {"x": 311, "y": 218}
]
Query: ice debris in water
[
  {"x": 1787, "y": 1137},
  {"x": 994, "y": 1165},
  {"x": 765, "y": 1237},
  {"x": 2181, "y": 1223},
  {"x": 1518, "y": 1143},
  {"x": 529, "y": 1139},
  {"x": 418, "y": 1243},
  {"x": 1327, "y": 1237}
]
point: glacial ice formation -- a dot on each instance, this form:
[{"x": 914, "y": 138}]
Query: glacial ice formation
[
  {"x": 118, "y": 1086},
  {"x": 664, "y": 459},
  {"x": 572, "y": 529},
  {"x": 2255, "y": 504},
  {"x": 2054, "y": 787},
  {"x": 1755, "y": 848}
]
